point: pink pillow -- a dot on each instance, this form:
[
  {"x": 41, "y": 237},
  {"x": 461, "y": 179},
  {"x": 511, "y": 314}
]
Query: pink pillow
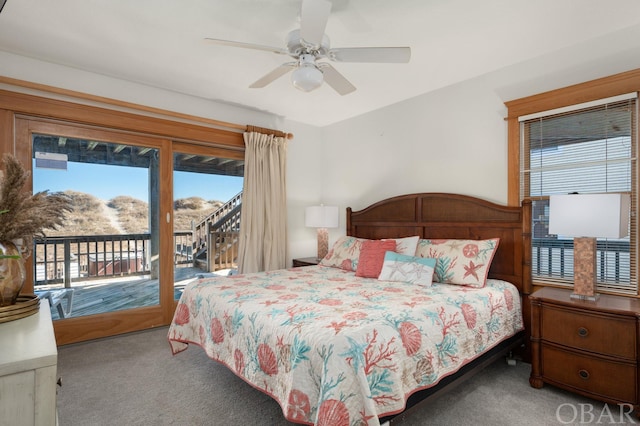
[{"x": 372, "y": 257}]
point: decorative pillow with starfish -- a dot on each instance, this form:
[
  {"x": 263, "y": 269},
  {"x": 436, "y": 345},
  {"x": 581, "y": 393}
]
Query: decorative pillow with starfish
[
  {"x": 410, "y": 269},
  {"x": 461, "y": 262}
]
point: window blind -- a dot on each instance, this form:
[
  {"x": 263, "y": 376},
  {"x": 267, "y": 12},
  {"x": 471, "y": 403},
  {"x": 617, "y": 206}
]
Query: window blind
[{"x": 589, "y": 149}]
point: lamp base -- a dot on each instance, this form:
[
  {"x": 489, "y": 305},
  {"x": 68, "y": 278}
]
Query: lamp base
[
  {"x": 323, "y": 242},
  {"x": 584, "y": 297},
  {"x": 584, "y": 268}
]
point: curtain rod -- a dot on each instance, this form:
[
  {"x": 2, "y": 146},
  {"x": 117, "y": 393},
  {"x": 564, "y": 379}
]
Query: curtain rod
[
  {"x": 124, "y": 104},
  {"x": 264, "y": 130}
]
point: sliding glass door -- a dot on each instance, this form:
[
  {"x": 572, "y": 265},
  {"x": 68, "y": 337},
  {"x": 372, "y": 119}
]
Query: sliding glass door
[
  {"x": 105, "y": 266},
  {"x": 149, "y": 216}
]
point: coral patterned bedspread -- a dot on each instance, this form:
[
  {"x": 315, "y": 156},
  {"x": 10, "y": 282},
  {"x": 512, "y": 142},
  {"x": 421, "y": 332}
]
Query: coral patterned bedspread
[{"x": 335, "y": 349}]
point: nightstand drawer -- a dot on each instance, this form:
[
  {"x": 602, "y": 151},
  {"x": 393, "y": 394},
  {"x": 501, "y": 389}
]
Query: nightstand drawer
[
  {"x": 600, "y": 333},
  {"x": 602, "y": 378}
]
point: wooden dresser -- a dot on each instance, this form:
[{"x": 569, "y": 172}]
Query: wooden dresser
[
  {"x": 590, "y": 348},
  {"x": 28, "y": 362}
]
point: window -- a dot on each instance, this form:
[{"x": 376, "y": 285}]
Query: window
[{"x": 586, "y": 148}]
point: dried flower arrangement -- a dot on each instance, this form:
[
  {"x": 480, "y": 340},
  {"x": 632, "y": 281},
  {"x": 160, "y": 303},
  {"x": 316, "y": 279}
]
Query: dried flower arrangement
[{"x": 25, "y": 216}]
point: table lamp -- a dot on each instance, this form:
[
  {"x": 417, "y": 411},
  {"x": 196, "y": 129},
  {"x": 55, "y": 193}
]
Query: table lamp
[
  {"x": 321, "y": 217},
  {"x": 586, "y": 217}
]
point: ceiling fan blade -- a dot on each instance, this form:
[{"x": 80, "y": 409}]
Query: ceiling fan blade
[
  {"x": 273, "y": 75},
  {"x": 336, "y": 80},
  {"x": 277, "y": 50},
  {"x": 314, "y": 15},
  {"x": 371, "y": 54}
]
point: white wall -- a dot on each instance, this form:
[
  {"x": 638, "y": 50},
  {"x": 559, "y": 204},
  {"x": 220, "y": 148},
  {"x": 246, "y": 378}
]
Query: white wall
[
  {"x": 452, "y": 140},
  {"x": 306, "y": 170}
]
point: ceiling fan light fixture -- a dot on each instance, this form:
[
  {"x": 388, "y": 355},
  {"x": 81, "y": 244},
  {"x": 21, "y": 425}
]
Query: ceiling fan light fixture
[
  {"x": 307, "y": 77},
  {"x": 309, "y": 45}
]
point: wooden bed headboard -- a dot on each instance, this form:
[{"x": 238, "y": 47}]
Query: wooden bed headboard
[{"x": 448, "y": 216}]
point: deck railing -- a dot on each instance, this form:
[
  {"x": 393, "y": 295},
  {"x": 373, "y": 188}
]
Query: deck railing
[
  {"x": 81, "y": 258},
  {"x": 66, "y": 259},
  {"x": 183, "y": 253},
  {"x": 553, "y": 258},
  {"x": 223, "y": 251}
]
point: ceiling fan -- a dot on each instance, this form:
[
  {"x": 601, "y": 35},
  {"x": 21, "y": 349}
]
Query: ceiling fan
[{"x": 309, "y": 44}]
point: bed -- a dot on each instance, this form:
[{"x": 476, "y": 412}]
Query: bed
[{"x": 335, "y": 345}]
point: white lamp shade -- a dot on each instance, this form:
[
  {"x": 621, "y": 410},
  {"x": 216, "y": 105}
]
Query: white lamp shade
[
  {"x": 589, "y": 215},
  {"x": 321, "y": 217},
  {"x": 307, "y": 77}
]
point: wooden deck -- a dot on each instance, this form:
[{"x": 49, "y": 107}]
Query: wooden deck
[{"x": 94, "y": 297}]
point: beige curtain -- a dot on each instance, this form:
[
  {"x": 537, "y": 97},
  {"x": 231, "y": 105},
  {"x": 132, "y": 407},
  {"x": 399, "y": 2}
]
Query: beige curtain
[{"x": 263, "y": 224}]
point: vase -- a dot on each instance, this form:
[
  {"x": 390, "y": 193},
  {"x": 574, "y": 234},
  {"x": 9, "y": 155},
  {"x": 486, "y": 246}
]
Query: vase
[{"x": 12, "y": 273}]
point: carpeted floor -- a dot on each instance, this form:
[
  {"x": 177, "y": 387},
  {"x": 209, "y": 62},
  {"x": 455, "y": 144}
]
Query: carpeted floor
[{"x": 134, "y": 380}]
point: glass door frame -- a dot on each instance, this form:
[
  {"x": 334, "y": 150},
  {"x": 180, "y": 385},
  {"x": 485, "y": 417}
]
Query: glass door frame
[{"x": 112, "y": 323}]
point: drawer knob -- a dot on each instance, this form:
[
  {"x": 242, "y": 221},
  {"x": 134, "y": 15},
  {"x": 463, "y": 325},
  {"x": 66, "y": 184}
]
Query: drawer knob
[
  {"x": 583, "y": 332},
  {"x": 584, "y": 374}
]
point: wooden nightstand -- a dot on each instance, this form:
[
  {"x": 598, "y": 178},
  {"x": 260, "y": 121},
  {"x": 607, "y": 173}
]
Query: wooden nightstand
[
  {"x": 305, "y": 261},
  {"x": 590, "y": 348}
]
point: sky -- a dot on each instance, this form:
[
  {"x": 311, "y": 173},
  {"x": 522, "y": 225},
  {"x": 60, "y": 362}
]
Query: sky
[{"x": 107, "y": 182}]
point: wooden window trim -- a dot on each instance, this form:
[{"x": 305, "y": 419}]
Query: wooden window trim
[
  {"x": 13, "y": 104},
  {"x": 601, "y": 88},
  {"x": 593, "y": 90}
]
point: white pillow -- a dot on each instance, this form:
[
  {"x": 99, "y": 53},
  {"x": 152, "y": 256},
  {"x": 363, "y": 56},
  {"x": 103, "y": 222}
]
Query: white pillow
[
  {"x": 411, "y": 269},
  {"x": 407, "y": 245}
]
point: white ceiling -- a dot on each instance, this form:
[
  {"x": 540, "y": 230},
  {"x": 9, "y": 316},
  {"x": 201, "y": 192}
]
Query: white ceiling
[{"x": 160, "y": 43}]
